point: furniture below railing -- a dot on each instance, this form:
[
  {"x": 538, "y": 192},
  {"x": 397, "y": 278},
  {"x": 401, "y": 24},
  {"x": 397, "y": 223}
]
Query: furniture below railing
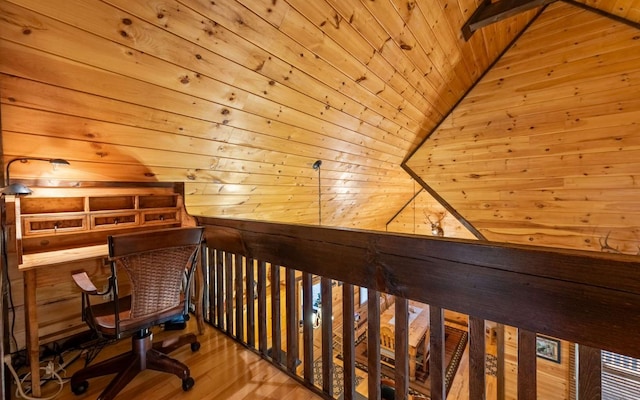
[{"x": 591, "y": 299}]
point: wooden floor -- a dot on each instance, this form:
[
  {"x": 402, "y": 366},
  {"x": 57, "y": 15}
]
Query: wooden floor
[{"x": 223, "y": 369}]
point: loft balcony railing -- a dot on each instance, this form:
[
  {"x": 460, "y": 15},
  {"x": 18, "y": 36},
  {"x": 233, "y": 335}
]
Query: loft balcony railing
[{"x": 587, "y": 298}]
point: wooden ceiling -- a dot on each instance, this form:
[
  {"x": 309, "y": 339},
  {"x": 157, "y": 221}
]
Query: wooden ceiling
[
  {"x": 543, "y": 150},
  {"x": 240, "y": 98}
]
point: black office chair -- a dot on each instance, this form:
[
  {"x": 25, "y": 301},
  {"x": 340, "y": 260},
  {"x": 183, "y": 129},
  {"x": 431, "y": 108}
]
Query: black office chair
[{"x": 156, "y": 263}]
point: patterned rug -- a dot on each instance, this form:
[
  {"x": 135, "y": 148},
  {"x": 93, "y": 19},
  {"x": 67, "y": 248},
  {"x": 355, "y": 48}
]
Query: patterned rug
[{"x": 338, "y": 376}]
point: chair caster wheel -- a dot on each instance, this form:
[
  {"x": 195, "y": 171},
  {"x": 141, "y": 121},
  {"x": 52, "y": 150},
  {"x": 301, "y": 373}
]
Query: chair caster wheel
[
  {"x": 80, "y": 387},
  {"x": 187, "y": 384},
  {"x": 195, "y": 346}
]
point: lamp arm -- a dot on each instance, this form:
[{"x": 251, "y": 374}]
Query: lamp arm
[{"x": 23, "y": 159}]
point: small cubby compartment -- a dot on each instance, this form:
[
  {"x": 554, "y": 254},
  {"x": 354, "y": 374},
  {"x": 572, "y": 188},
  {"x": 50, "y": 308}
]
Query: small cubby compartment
[
  {"x": 51, "y": 205},
  {"x": 159, "y": 201},
  {"x": 104, "y": 203}
]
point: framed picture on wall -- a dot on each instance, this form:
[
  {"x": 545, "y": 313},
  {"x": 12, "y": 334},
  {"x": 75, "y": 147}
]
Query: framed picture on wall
[{"x": 548, "y": 348}]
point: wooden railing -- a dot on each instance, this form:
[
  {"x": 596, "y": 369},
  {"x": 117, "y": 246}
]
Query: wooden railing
[{"x": 591, "y": 299}]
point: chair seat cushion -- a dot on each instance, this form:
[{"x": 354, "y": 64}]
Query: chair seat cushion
[{"x": 105, "y": 322}]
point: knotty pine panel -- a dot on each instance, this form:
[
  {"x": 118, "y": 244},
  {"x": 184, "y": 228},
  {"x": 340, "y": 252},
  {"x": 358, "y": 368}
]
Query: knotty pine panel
[
  {"x": 414, "y": 219},
  {"x": 248, "y": 95},
  {"x": 228, "y": 114},
  {"x": 628, "y": 9},
  {"x": 551, "y": 131},
  {"x": 122, "y": 129},
  {"x": 231, "y": 93}
]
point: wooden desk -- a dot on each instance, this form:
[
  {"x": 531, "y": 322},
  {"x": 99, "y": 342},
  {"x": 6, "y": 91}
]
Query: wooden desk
[
  {"x": 418, "y": 329},
  {"x": 59, "y": 230},
  {"x": 31, "y": 263}
]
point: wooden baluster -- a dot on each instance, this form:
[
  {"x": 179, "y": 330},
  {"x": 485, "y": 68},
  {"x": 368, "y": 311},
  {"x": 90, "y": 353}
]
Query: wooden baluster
[
  {"x": 220, "y": 285},
  {"x": 251, "y": 322},
  {"x": 211, "y": 279},
  {"x": 262, "y": 306},
  {"x": 436, "y": 353},
  {"x": 239, "y": 299},
  {"x": 526, "y": 365},
  {"x": 276, "y": 329},
  {"x": 589, "y": 373},
  {"x": 200, "y": 277},
  {"x": 292, "y": 320},
  {"x": 500, "y": 378},
  {"x": 348, "y": 341},
  {"x": 477, "y": 358},
  {"x": 327, "y": 335},
  {"x": 307, "y": 323},
  {"x": 401, "y": 350},
  {"x": 373, "y": 343},
  {"x": 228, "y": 290}
]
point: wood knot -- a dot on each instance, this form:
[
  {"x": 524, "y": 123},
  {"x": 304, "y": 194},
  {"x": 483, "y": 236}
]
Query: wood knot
[
  {"x": 127, "y": 21},
  {"x": 26, "y": 31}
]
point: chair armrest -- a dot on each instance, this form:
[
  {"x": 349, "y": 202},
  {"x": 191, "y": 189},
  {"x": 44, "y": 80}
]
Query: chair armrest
[{"x": 84, "y": 283}]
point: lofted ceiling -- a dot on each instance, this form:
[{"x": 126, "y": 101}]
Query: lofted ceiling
[
  {"x": 544, "y": 149},
  {"x": 239, "y": 98}
]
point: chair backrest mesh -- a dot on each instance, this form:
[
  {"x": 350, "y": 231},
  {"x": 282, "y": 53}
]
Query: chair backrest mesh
[{"x": 156, "y": 278}]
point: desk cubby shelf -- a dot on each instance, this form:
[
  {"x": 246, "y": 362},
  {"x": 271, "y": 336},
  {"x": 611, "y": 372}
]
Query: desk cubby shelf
[{"x": 43, "y": 216}]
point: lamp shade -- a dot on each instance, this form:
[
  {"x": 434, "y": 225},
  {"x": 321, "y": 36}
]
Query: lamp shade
[
  {"x": 16, "y": 189},
  {"x": 20, "y": 188}
]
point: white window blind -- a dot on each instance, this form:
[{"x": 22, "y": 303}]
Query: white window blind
[{"x": 620, "y": 377}]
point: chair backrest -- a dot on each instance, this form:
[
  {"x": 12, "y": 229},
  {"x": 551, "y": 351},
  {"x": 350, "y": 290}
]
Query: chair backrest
[
  {"x": 156, "y": 262},
  {"x": 387, "y": 338}
]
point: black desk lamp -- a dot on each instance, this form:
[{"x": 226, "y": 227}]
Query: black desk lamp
[{"x": 20, "y": 188}]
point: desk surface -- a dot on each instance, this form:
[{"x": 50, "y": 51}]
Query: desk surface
[
  {"x": 35, "y": 260},
  {"x": 418, "y": 321}
]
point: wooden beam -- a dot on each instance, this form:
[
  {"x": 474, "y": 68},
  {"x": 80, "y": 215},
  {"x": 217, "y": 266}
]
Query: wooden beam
[{"x": 489, "y": 13}]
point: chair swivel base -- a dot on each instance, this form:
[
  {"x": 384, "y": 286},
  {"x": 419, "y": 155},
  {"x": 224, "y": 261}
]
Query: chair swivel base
[{"x": 144, "y": 355}]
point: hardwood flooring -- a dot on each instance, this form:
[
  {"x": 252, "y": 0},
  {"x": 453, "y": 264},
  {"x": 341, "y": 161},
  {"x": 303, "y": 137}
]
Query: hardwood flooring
[{"x": 223, "y": 369}]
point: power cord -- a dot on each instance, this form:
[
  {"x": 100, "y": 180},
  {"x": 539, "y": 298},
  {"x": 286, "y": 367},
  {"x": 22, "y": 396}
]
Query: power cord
[{"x": 50, "y": 373}]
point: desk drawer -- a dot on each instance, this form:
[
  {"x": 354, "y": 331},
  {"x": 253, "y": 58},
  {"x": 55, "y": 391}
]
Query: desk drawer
[
  {"x": 160, "y": 216},
  {"x": 113, "y": 220},
  {"x": 43, "y": 225}
]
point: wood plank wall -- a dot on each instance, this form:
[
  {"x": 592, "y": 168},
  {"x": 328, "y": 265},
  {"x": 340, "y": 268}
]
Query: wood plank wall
[
  {"x": 238, "y": 98},
  {"x": 544, "y": 149}
]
